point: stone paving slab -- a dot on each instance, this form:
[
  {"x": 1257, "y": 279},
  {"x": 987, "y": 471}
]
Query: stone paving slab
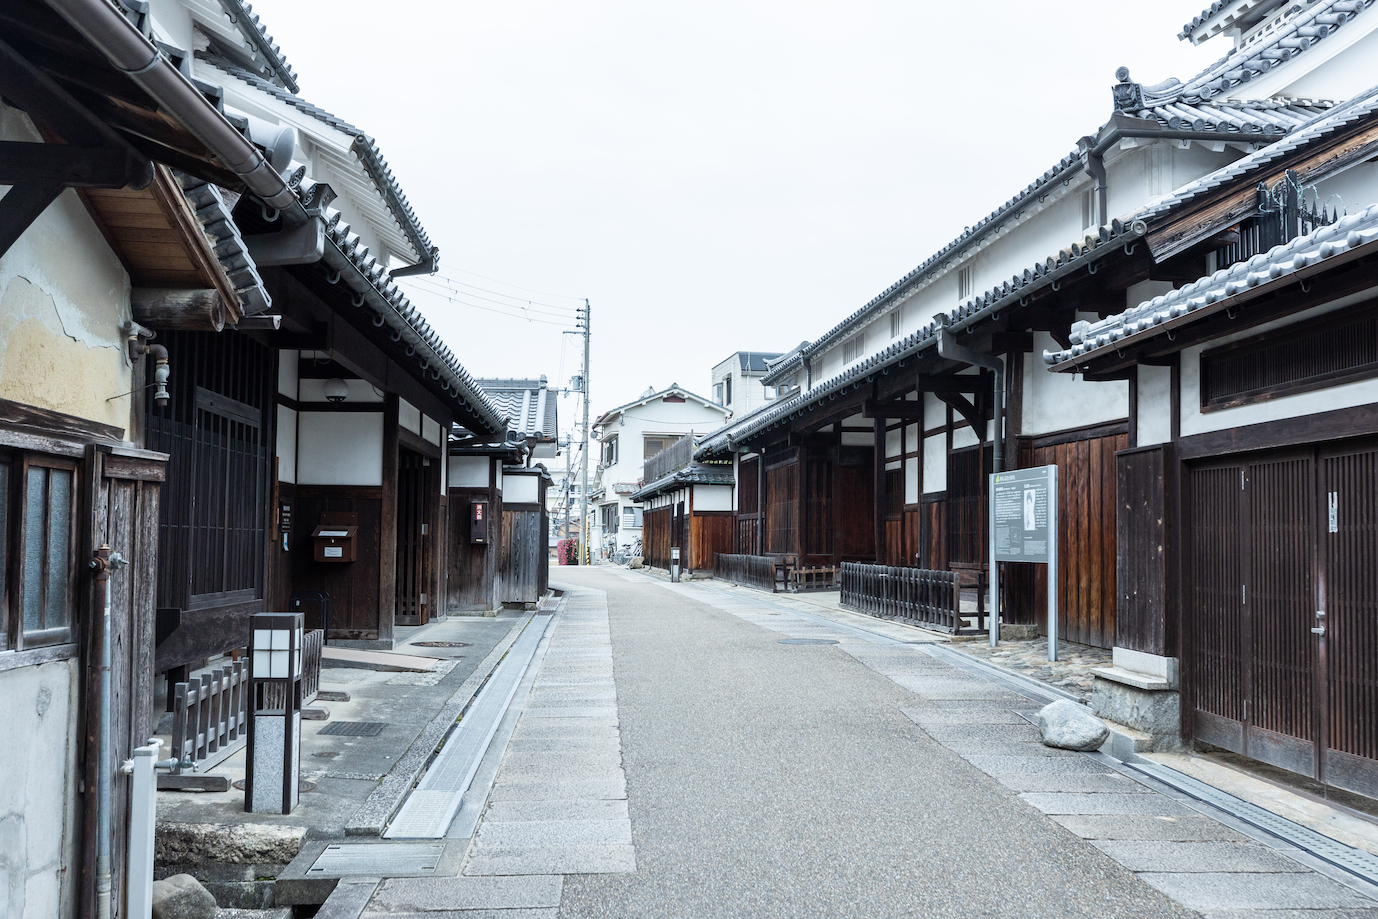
[
  {"x": 569, "y": 743},
  {"x": 515, "y": 811},
  {"x": 574, "y": 789},
  {"x": 1184, "y": 829},
  {"x": 500, "y": 860},
  {"x": 461, "y": 893},
  {"x": 956, "y": 733},
  {"x": 1212, "y": 890},
  {"x": 606, "y": 713},
  {"x": 995, "y": 765},
  {"x": 1110, "y": 783},
  {"x": 531, "y": 833},
  {"x": 1291, "y": 914},
  {"x": 545, "y": 774},
  {"x": 610, "y": 757},
  {"x": 1070, "y": 803},
  {"x": 926, "y": 716},
  {"x": 1164, "y": 856},
  {"x": 552, "y": 913}
]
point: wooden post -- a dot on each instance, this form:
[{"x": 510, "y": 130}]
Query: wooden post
[
  {"x": 879, "y": 491},
  {"x": 387, "y": 543}
]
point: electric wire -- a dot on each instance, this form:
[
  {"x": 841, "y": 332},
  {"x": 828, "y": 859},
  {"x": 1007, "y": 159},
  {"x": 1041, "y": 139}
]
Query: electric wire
[
  {"x": 543, "y": 293},
  {"x": 519, "y": 304},
  {"x": 519, "y": 310},
  {"x": 490, "y": 309},
  {"x": 497, "y": 293}
]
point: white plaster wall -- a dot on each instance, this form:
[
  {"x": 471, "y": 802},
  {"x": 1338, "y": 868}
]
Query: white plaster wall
[
  {"x": 1347, "y": 395},
  {"x": 64, "y": 303},
  {"x": 935, "y": 463},
  {"x": 359, "y": 391},
  {"x": 469, "y": 471},
  {"x": 340, "y": 448},
  {"x": 1356, "y": 187},
  {"x": 1059, "y": 401},
  {"x": 964, "y": 437},
  {"x": 894, "y": 445},
  {"x": 288, "y": 367},
  {"x": 1155, "y": 405},
  {"x": 518, "y": 488},
  {"x": 911, "y": 480},
  {"x": 1144, "y": 290},
  {"x": 911, "y": 437},
  {"x": 858, "y": 439},
  {"x": 1342, "y": 65},
  {"x": 430, "y": 430},
  {"x": 712, "y": 497},
  {"x": 39, "y": 805},
  {"x": 409, "y": 416},
  {"x": 287, "y": 444}
]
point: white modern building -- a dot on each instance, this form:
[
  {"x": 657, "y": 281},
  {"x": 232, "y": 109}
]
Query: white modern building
[
  {"x": 737, "y": 381},
  {"x": 629, "y": 435}
]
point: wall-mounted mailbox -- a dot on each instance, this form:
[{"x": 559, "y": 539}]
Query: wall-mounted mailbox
[
  {"x": 335, "y": 539},
  {"x": 478, "y": 522}
]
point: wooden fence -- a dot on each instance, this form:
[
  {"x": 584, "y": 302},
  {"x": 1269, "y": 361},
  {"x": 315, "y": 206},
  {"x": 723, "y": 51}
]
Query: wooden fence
[
  {"x": 931, "y": 599},
  {"x": 764, "y": 572},
  {"x": 210, "y": 713}
]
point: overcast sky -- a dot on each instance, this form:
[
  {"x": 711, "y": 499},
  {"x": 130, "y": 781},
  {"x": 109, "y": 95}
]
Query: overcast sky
[{"x": 712, "y": 176}]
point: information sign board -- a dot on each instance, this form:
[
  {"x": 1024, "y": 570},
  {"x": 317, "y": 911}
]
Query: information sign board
[{"x": 1022, "y": 501}]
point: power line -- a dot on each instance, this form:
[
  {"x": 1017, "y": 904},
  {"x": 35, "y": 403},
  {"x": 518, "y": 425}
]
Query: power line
[
  {"x": 490, "y": 309},
  {"x": 543, "y": 293},
  {"x": 446, "y": 291},
  {"x": 499, "y": 293}
]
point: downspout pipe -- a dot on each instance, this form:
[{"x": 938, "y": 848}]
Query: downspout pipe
[
  {"x": 101, "y": 566},
  {"x": 131, "y": 53}
]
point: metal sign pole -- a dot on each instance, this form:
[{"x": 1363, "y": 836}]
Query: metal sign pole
[
  {"x": 993, "y": 615},
  {"x": 1052, "y": 563}
]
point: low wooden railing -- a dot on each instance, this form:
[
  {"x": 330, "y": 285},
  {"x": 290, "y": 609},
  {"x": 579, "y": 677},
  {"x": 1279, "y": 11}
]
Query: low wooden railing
[
  {"x": 931, "y": 599},
  {"x": 210, "y": 712},
  {"x": 764, "y": 572},
  {"x": 209, "y": 716}
]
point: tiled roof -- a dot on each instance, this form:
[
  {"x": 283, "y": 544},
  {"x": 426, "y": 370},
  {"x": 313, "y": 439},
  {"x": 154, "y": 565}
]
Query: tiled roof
[
  {"x": 693, "y": 474},
  {"x": 785, "y": 364},
  {"x": 1073, "y": 258},
  {"x": 1212, "y": 293},
  {"x": 755, "y": 361},
  {"x": 1263, "y": 116},
  {"x": 348, "y": 259},
  {"x": 248, "y": 22},
  {"x": 363, "y": 147},
  {"x": 1361, "y": 107},
  {"x": 1297, "y": 28},
  {"x": 672, "y": 389},
  {"x": 213, "y": 211},
  {"x": 529, "y": 405}
]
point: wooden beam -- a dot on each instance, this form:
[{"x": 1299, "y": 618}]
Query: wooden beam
[
  {"x": 63, "y": 164},
  {"x": 955, "y": 383},
  {"x": 20, "y": 207},
  {"x": 967, "y": 410},
  {"x": 907, "y": 411},
  {"x": 178, "y": 310},
  {"x": 167, "y": 191}
]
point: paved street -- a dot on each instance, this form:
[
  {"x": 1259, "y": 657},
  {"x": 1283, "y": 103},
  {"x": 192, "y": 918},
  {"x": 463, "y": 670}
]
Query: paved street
[{"x": 768, "y": 773}]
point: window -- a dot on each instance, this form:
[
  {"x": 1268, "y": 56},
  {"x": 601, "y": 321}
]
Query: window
[
  {"x": 610, "y": 451},
  {"x": 38, "y": 519},
  {"x": 631, "y": 518},
  {"x": 964, "y": 285},
  {"x": 853, "y": 348},
  {"x": 717, "y": 394},
  {"x": 896, "y": 322},
  {"x": 769, "y": 391},
  {"x": 727, "y": 391},
  {"x": 654, "y": 445},
  {"x": 609, "y": 515}
]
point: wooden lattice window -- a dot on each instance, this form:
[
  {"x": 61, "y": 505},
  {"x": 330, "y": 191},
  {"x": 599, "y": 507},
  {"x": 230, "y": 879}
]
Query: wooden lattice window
[
  {"x": 1326, "y": 351},
  {"x": 38, "y": 516}
]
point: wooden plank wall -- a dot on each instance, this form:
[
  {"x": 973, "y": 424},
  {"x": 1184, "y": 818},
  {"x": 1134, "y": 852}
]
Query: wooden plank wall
[
  {"x": 710, "y": 532},
  {"x": 853, "y": 510},
  {"x": 933, "y": 540},
  {"x": 353, "y": 586},
  {"x": 520, "y": 562},
  {"x": 124, "y": 513},
  {"x": 656, "y": 526},
  {"x": 1142, "y": 578},
  {"x": 782, "y": 508},
  {"x": 819, "y": 524},
  {"x": 1086, "y": 525},
  {"x": 473, "y": 568}
]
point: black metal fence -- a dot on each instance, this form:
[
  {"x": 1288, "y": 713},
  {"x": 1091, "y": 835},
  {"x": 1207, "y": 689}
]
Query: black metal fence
[
  {"x": 931, "y": 599},
  {"x": 764, "y": 572}
]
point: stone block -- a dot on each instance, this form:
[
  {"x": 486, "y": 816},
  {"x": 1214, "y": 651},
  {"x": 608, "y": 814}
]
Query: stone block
[
  {"x": 1156, "y": 712},
  {"x": 1069, "y": 726},
  {"x": 182, "y": 897}
]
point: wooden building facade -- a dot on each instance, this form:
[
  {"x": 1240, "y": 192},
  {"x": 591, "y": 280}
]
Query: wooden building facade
[{"x": 688, "y": 505}]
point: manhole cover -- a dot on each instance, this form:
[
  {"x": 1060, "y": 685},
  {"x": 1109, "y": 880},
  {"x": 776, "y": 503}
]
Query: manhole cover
[
  {"x": 302, "y": 785},
  {"x": 326, "y": 754},
  {"x": 440, "y": 644},
  {"x": 797, "y": 641},
  {"x": 354, "y": 728}
]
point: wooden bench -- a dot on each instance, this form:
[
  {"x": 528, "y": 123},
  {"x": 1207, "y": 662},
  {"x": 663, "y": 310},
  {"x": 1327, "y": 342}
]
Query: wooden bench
[{"x": 814, "y": 577}]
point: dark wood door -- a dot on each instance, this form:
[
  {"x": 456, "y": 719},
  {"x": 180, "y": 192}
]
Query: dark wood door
[
  {"x": 1347, "y": 651},
  {"x": 413, "y": 535},
  {"x": 1253, "y": 666}
]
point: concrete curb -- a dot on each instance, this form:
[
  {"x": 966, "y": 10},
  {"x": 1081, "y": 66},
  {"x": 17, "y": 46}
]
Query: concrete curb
[{"x": 384, "y": 801}]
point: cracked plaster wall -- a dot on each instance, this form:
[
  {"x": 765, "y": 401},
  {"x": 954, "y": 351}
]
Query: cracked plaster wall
[
  {"x": 64, "y": 298},
  {"x": 39, "y": 806}
]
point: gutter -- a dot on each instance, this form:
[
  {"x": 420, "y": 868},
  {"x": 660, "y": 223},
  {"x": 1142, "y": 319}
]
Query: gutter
[{"x": 131, "y": 53}]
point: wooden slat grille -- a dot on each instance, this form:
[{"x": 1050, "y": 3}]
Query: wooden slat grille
[
  {"x": 1351, "y": 622},
  {"x": 1216, "y": 585}
]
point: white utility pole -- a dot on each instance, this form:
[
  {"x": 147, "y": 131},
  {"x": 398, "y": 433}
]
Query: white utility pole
[{"x": 584, "y": 557}]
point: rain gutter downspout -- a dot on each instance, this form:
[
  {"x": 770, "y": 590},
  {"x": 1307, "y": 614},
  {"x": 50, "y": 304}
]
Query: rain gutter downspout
[
  {"x": 949, "y": 349},
  {"x": 101, "y": 565},
  {"x": 131, "y": 53}
]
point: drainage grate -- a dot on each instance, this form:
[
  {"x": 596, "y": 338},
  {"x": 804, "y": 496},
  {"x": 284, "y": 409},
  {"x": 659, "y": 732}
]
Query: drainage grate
[
  {"x": 440, "y": 644},
  {"x": 808, "y": 641},
  {"x": 353, "y": 728},
  {"x": 388, "y": 860},
  {"x": 1355, "y": 861}
]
